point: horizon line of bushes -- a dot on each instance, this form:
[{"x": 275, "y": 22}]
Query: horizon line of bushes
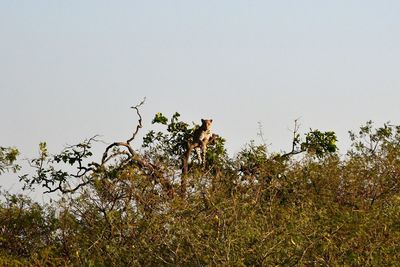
[{"x": 308, "y": 206}]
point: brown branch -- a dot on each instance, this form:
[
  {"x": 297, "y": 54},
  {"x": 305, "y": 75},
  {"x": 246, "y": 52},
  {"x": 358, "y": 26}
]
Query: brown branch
[
  {"x": 117, "y": 154},
  {"x": 117, "y": 144},
  {"x": 139, "y": 121},
  {"x": 126, "y": 144},
  {"x": 156, "y": 174},
  {"x": 64, "y": 191},
  {"x": 295, "y": 142},
  {"x": 117, "y": 150}
]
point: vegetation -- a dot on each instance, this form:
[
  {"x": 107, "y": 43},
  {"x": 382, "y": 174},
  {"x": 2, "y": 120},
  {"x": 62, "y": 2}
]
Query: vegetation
[
  {"x": 308, "y": 206},
  {"x": 8, "y": 155}
]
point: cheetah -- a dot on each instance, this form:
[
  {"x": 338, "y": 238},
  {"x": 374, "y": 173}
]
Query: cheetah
[{"x": 199, "y": 141}]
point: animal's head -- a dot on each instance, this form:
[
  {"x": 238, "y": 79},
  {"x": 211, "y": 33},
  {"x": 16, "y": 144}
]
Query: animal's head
[{"x": 206, "y": 123}]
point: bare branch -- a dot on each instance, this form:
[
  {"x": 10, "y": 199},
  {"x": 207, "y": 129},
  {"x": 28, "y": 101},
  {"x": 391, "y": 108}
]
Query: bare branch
[
  {"x": 64, "y": 191},
  {"x": 139, "y": 121},
  {"x": 54, "y": 179},
  {"x": 117, "y": 144},
  {"x": 295, "y": 142},
  {"x": 126, "y": 144},
  {"x": 116, "y": 155}
]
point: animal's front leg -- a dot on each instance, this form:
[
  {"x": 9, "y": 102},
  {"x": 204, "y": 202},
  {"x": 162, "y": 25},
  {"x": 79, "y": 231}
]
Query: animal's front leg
[
  {"x": 204, "y": 150},
  {"x": 199, "y": 154}
]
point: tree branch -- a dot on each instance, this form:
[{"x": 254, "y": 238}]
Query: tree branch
[
  {"x": 126, "y": 144},
  {"x": 295, "y": 142}
]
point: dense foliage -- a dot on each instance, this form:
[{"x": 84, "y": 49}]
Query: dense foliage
[{"x": 309, "y": 206}]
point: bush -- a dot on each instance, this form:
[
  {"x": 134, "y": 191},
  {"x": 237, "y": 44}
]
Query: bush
[{"x": 256, "y": 209}]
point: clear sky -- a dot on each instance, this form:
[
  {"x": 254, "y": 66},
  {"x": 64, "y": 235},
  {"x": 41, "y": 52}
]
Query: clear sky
[{"x": 71, "y": 69}]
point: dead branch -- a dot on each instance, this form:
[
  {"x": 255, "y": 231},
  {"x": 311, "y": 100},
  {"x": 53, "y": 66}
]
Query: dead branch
[
  {"x": 127, "y": 143},
  {"x": 295, "y": 150},
  {"x": 139, "y": 121},
  {"x": 134, "y": 158},
  {"x": 57, "y": 180}
]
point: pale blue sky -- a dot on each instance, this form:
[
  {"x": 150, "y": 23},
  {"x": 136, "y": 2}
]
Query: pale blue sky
[{"x": 72, "y": 69}]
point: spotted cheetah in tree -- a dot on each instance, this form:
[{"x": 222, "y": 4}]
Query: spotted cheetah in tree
[{"x": 199, "y": 141}]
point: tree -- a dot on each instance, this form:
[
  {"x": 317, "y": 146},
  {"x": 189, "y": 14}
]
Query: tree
[{"x": 308, "y": 206}]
